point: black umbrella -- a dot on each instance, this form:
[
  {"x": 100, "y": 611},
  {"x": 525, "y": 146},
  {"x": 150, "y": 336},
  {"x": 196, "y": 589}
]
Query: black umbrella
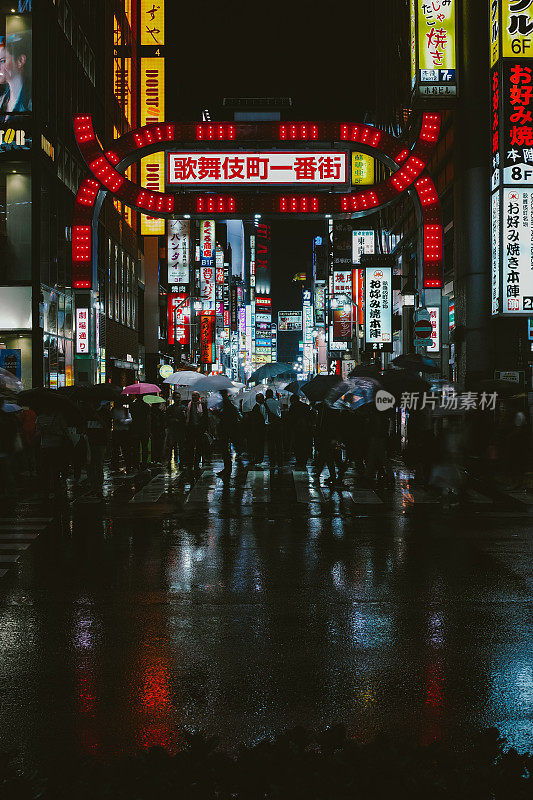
[
  {"x": 365, "y": 371},
  {"x": 44, "y": 401},
  {"x": 294, "y": 387},
  {"x": 499, "y": 387},
  {"x": 398, "y": 381},
  {"x": 318, "y": 387},
  {"x": 416, "y": 362}
]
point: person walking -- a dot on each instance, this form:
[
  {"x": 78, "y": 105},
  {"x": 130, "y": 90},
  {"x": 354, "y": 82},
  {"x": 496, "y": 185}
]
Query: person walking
[
  {"x": 299, "y": 429},
  {"x": 8, "y": 436},
  {"x": 55, "y": 441},
  {"x": 121, "y": 443},
  {"x": 158, "y": 427},
  {"x": 140, "y": 429},
  {"x": 175, "y": 421},
  {"x": 98, "y": 434},
  {"x": 256, "y": 431},
  {"x": 196, "y": 426},
  {"x": 271, "y": 410},
  {"x": 229, "y": 433}
]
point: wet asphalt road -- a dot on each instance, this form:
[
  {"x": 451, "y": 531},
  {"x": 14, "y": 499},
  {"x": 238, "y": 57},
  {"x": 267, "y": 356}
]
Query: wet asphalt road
[{"x": 246, "y": 608}]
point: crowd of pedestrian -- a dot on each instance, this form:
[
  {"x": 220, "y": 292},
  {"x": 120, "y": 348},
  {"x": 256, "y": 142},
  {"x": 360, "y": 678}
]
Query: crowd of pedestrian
[{"x": 131, "y": 434}]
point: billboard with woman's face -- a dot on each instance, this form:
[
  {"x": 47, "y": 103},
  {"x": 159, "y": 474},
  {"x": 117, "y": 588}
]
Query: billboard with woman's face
[{"x": 15, "y": 79}]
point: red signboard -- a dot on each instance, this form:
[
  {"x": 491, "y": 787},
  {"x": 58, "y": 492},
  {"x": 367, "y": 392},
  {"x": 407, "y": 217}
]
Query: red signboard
[
  {"x": 179, "y": 317},
  {"x": 207, "y": 337}
]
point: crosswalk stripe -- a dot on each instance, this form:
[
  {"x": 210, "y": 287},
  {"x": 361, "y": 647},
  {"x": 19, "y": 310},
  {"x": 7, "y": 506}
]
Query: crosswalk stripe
[
  {"x": 201, "y": 489},
  {"x": 151, "y": 492},
  {"x": 3, "y": 572},
  {"x": 477, "y": 497},
  {"x": 8, "y": 528},
  {"x": 8, "y": 559},
  {"x": 366, "y": 497},
  {"x": 6, "y": 547},
  {"x": 23, "y": 520},
  {"x": 18, "y": 537},
  {"x": 522, "y": 497}
]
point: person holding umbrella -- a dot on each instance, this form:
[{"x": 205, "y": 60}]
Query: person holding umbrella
[
  {"x": 140, "y": 431},
  {"x": 256, "y": 431},
  {"x": 228, "y": 433},
  {"x": 175, "y": 421},
  {"x": 299, "y": 428},
  {"x": 272, "y": 412},
  {"x": 98, "y": 433},
  {"x": 196, "y": 425}
]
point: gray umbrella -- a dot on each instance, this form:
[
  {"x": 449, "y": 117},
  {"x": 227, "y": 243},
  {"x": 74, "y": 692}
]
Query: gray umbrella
[{"x": 268, "y": 371}]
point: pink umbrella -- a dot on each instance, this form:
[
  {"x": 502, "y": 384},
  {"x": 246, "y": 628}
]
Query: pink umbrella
[{"x": 141, "y": 388}]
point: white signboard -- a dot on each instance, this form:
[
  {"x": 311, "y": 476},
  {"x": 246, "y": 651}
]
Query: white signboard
[
  {"x": 362, "y": 242},
  {"x": 342, "y": 282},
  {"x": 82, "y": 331},
  {"x": 495, "y": 252},
  {"x": 434, "y": 318},
  {"x": 178, "y": 251},
  {"x": 242, "y": 168},
  {"x": 289, "y": 321},
  {"x": 517, "y": 277},
  {"x": 378, "y": 308},
  {"x": 307, "y": 322}
]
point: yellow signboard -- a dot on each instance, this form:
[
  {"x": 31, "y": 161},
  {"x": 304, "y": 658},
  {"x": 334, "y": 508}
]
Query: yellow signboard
[
  {"x": 413, "y": 42},
  {"x": 494, "y": 31},
  {"x": 153, "y": 22},
  {"x": 153, "y": 110},
  {"x": 517, "y": 29},
  {"x": 362, "y": 169},
  {"x": 436, "y": 35},
  {"x": 153, "y": 177},
  {"x": 152, "y": 90}
]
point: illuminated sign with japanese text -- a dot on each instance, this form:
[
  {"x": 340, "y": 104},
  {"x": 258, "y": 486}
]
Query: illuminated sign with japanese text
[
  {"x": 435, "y": 47},
  {"x": 517, "y": 283},
  {"x": 362, "y": 242},
  {"x": 245, "y": 168},
  {"x": 153, "y": 177},
  {"x": 179, "y": 317},
  {"x": 516, "y": 28},
  {"x": 82, "y": 331},
  {"x": 178, "y": 250},
  {"x": 153, "y": 22},
  {"x": 378, "y": 308},
  {"x": 434, "y": 318},
  {"x": 289, "y": 320},
  {"x": 495, "y": 253},
  {"x": 362, "y": 170},
  {"x": 207, "y": 337},
  {"x": 207, "y": 243},
  {"x": 342, "y": 282}
]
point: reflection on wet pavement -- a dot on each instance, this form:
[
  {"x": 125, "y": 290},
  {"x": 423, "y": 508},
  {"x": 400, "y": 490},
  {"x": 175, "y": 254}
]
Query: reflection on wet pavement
[{"x": 240, "y": 609}]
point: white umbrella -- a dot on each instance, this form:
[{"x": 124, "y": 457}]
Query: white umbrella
[
  {"x": 185, "y": 378},
  {"x": 248, "y": 398},
  {"x": 213, "y": 383}
]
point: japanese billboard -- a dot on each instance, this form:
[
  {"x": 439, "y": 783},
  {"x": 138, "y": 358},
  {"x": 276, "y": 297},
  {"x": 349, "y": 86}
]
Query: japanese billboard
[
  {"x": 378, "y": 308},
  {"x": 207, "y": 337},
  {"x": 516, "y": 27},
  {"x": 362, "y": 169},
  {"x": 244, "y": 168},
  {"x": 307, "y": 320},
  {"x": 16, "y": 95},
  {"x": 494, "y": 31},
  {"x": 82, "y": 331},
  {"x": 320, "y": 302},
  {"x": 362, "y": 242},
  {"x": 342, "y": 243},
  {"x": 495, "y": 253},
  {"x": 434, "y": 318},
  {"x": 153, "y": 110},
  {"x": 517, "y": 283},
  {"x": 178, "y": 250},
  {"x": 289, "y": 320},
  {"x": 435, "y": 47},
  {"x": 207, "y": 243},
  {"x": 233, "y": 308},
  {"x": 179, "y": 318},
  {"x": 342, "y": 282},
  {"x": 153, "y": 22},
  {"x": 207, "y": 284},
  {"x": 358, "y": 282},
  {"x": 262, "y": 259},
  {"x": 517, "y": 145}
]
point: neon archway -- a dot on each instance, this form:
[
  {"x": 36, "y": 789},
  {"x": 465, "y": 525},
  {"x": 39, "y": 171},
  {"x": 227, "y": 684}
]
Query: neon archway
[{"x": 408, "y": 165}]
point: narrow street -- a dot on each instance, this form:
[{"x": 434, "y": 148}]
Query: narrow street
[{"x": 244, "y": 608}]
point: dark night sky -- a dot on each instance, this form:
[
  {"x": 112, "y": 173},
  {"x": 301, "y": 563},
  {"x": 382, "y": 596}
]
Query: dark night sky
[{"x": 320, "y": 55}]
